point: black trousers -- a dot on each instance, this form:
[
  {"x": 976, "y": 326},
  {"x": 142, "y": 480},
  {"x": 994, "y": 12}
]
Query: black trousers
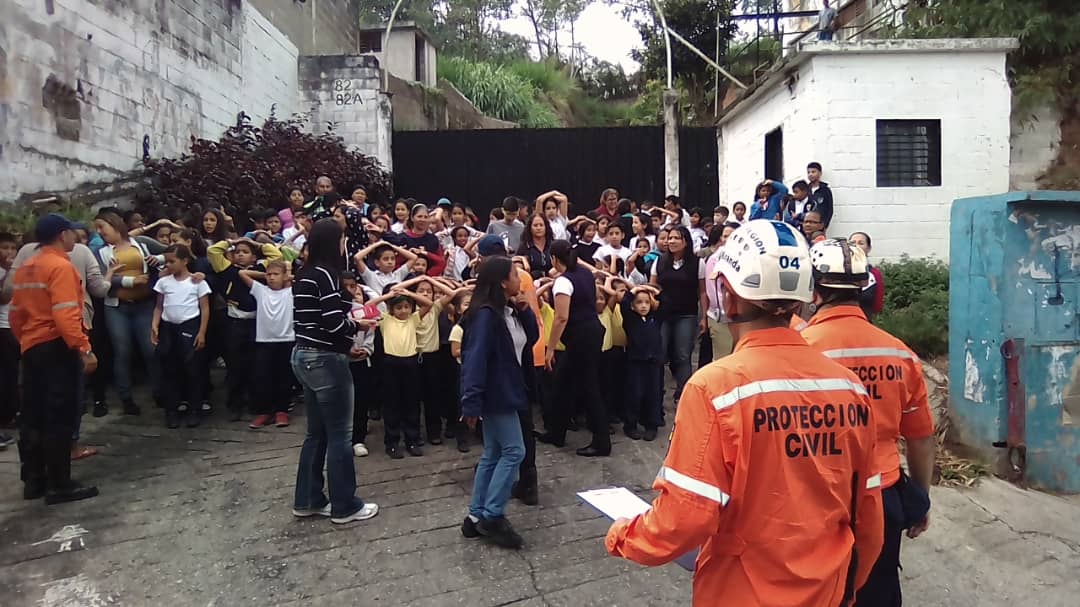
[
  {"x": 182, "y": 366},
  {"x": 239, "y": 343},
  {"x": 578, "y": 383},
  {"x": 612, "y": 370},
  {"x": 882, "y": 588},
  {"x": 437, "y": 384},
  {"x": 365, "y": 383},
  {"x": 273, "y": 376},
  {"x": 9, "y": 377},
  {"x": 527, "y": 469},
  {"x": 50, "y": 383},
  {"x": 549, "y": 393},
  {"x": 401, "y": 399},
  {"x": 644, "y": 394}
]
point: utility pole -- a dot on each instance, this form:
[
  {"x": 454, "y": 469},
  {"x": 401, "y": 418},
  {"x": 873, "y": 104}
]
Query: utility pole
[{"x": 716, "y": 102}]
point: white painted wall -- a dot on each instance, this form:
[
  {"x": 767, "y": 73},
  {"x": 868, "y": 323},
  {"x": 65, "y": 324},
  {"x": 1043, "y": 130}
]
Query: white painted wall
[
  {"x": 831, "y": 119},
  {"x": 400, "y": 57},
  {"x": 169, "y": 69}
]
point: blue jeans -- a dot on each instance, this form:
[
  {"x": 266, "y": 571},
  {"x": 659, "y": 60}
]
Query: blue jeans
[
  {"x": 328, "y": 396},
  {"x": 677, "y": 338},
  {"x": 504, "y": 449},
  {"x": 128, "y": 323}
]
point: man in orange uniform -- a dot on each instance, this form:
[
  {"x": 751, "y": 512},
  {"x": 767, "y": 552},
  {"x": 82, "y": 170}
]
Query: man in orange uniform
[
  {"x": 771, "y": 466},
  {"x": 46, "y": 319},
  {"x": 894, "y": 380}
]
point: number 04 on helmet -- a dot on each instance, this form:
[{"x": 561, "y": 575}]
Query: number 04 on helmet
[{"x": 766, "y": 263}]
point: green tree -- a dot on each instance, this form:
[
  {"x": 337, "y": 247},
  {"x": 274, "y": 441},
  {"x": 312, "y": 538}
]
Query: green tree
[{"x": 1046, "y": 64}]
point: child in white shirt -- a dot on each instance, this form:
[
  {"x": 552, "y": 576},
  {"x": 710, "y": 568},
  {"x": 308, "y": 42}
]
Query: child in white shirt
[{"x": 274, "y": 340}]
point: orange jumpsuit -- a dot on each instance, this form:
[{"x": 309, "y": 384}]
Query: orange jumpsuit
[
  {"x": 769, "y": 445},
  {"x": 890, "y": 371}
]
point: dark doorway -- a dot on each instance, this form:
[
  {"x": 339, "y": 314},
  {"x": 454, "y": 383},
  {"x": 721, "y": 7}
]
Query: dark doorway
[{"x": 774, "y": 154}]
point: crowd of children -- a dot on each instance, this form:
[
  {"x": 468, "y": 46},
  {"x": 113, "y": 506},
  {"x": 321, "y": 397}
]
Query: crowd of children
[{"x": 209, "y": 289}]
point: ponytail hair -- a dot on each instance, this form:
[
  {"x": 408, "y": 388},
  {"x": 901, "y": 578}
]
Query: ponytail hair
[{"x": 564, "y": 252}]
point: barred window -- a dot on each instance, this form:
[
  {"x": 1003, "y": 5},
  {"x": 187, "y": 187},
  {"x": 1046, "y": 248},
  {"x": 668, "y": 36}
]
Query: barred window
[
  {"x": 908, "y": 153},
  {"x": 370, "y": 42}
]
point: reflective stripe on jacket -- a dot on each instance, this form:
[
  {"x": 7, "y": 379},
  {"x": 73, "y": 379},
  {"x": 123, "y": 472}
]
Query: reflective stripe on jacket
[
  {"x": 890, "y": 371},
  {"x": 48, "y": 302},
  {"x": 769, "y": 444}
]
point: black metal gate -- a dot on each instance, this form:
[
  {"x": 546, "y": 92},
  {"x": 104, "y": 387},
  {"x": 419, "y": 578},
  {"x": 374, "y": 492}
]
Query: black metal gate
[{"x": 481, "y": 167}]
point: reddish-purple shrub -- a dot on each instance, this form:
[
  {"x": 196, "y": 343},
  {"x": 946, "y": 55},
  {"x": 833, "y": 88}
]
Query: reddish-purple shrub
[{"x": 251, "y": 167}]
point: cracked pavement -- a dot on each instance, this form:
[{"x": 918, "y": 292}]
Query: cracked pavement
[{"x": 202, "y": 517}]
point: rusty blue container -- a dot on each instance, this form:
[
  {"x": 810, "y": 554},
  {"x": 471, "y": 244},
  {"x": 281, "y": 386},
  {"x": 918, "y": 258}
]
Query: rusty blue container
[{"x": 1015, "y": 275}]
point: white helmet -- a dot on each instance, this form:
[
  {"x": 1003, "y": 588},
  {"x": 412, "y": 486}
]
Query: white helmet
[
  {"x": 766, "y": 260},
  {"x": 838, "y": 264}
]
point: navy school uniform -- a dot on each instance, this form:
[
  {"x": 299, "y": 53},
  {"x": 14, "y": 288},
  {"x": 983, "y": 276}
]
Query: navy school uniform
[{"x": 644, "y": 366}]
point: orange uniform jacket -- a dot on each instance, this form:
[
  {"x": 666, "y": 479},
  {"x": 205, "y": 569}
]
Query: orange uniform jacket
[
  {"x": 769, "y": 444},
  {"x": 890, "y": 371},
  {"x": 48, "y": 301}
]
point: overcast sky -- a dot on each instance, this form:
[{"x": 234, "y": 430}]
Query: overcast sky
[{"x": 601, "y": 29}]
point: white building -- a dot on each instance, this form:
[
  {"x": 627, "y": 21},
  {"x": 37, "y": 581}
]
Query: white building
[
  {"x": 901, "y": 127},
  {"x": 409, "y": 54}
]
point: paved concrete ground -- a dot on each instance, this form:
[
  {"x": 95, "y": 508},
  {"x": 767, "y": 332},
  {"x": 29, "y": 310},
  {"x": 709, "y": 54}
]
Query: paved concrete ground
[{"x": 201, "y": 517}]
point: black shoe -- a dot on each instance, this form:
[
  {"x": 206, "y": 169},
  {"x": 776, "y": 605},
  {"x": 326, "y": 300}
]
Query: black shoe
[
  {"x": 236, "y": 415},
  {"x": 499, "y": 531},
  {"x": 414, "y": 450},
  {"x": 449, "y": 433},
  {"x": 526, "y": 494},
  {"x": 130, "y": 408},
  {"x": 463, "y": 444},
  {"x": 194, "y": 418},
  {"x": 172, "y": 419},
  {"x": 591, "y": 451},
  {"x": 572, "y": 426},
  {"x": 72, "y": 493},
  {"x": 33, "y": 490},
  {"x": 434, "y": 439},
  {"x": 101, "y": 408},
  {"x": 395, "y": 452},
  {"x": 206, "y": 407},
  {"x": 650, "y": 434},
  {"x": 374, "y": 415},
  {"x": 548, "y": 439},
  {"x": 468, "y": 529},
  {"x": 633, "y": 433},
  {"x": 183, "y": 407}
]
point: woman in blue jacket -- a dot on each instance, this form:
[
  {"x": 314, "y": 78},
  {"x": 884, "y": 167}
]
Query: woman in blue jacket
[{"x": 499, "y": 332}]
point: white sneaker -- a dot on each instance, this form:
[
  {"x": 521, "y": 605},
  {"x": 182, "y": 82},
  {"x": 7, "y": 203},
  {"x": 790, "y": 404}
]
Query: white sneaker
[
  {"x": 306, "y": 512},
  {"x": 359, "y": 450},
  {"x": 368, "y": 511}
]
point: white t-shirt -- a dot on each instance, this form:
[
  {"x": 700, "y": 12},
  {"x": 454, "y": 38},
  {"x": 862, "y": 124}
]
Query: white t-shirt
[
  {"x": 377, "y": 281},
  {"x": 607, "y": 251},
  {"x": 273, "y": 313},
  {"x": 180, "y": 301},
  {"x": 562, "y": 286},
  {"x": 558, "y": 228},
  {"x": 634, "y": 240},
  {"x": 5, "y": 309},
  {"x": 678, "y": 263},
  {"x": 517, "y": 332},
  {"x": 298, "y": 242}
]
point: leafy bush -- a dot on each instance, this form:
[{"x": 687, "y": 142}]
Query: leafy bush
[
  {"x": 917, "y": 304},
  {"x": 546, "y": 77},
  {"x": 253, "y": 167},
  {"x": 20, "y": 219}
]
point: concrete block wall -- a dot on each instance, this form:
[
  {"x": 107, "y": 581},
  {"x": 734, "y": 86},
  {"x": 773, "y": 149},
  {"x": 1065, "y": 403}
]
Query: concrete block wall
[
  {"x": 82, "y": 82},
  {"x": 341, "y": 93},
  {"x": 316, "y": 27},
  {"x": 831, "y": 118}
]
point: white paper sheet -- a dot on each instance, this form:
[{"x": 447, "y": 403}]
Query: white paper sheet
[
  {"x": 619, "y": 502},
  {"x": 615, "y": 502}
]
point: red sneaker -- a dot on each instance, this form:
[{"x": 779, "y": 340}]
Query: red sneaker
[
  {"x": 259, "y": 422},
  {"x": 281, "y": 419}
]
